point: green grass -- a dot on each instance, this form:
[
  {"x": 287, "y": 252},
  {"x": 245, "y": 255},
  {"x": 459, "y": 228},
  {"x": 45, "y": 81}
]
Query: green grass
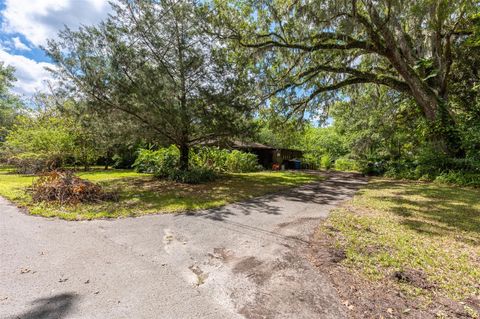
[
  {"x": 141, "y": 194},
  {"x": 394, "y": 225}
]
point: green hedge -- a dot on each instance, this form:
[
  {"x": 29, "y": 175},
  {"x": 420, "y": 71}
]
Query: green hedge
[{"x": 205, "y": 163}]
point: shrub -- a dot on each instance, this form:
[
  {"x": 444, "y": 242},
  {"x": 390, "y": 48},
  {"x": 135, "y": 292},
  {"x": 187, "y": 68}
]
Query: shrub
[
  {"x": 222, "y": 160},
  {"x": 161, "y": 163},
  {"x": 66, "y": 188},
  {"x": 312, "y": 160},
  {"x": 165, "y": 161},
  {"x": 212, "y": 158},
  {"x": 326, "y": 161},
  {"x": 346, "y": 164},
  {"x": 459, "y": 178},
  {"x": 241, "y": 162}
]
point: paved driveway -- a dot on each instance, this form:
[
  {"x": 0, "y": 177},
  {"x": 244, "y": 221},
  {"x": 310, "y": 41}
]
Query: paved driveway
[{"x": 240, "y": 261}]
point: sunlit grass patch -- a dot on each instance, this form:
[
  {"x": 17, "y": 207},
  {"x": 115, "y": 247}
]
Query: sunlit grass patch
[
  {"x": 393, "y": 226},
  {"x": 141, "y": 194}
]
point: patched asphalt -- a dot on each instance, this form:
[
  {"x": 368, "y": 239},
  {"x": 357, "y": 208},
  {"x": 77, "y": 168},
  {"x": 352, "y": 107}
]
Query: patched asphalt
[{"x": 245, "y": 260}]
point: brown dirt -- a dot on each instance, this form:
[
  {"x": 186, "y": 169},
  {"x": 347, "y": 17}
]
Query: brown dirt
[{"x": 364, "y": 298}]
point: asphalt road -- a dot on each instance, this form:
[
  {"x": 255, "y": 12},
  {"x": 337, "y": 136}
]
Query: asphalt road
[{"x": 244, "y": 260}]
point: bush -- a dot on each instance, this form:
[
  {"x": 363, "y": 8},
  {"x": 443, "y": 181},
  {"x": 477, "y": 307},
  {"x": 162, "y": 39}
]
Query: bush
[
  {"x": 312, "y": 160},
  {"x": 212, "y": 158},
  {"x": 459, "y": 178},
  {"x": 326, "y": 161},
  {"x": 66, "y": 188},
  {"x": 222, "y": 160},
  {"x": 346, "y": 164},
  {"x": 161, "y": 163},
  {"x": 204, "y": 161},
  {"x": 241, "y": 162}
]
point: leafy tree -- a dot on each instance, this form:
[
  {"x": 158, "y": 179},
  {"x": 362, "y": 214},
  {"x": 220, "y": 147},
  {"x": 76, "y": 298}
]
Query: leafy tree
[
  {"x": 279, "y": 133},
  {"x": 10, "y": 105},
  {"x": 40, "y": 142},
  {"x": 311, "y": 50},
  {"x": 153, "y": 62},
  {"x": 379, "y": 124},
  {"x": 321, "y": 141},
  {"x": 108, "y": 137}
]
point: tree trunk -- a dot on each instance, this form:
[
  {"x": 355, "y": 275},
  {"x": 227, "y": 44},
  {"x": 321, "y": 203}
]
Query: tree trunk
[
  {"x": 184, "y": 150},
  {"x": 443, "y": 133}
]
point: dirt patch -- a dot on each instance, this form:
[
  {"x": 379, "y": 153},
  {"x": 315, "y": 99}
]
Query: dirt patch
[
  {"x": 413, "y": 277},
  {"x": 364, "y": 298}
]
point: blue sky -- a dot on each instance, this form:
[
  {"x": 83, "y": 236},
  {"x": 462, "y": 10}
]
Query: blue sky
[{"x": 25, "y": 25}]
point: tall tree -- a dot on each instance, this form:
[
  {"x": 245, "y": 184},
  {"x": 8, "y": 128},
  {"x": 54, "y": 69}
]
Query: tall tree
[
  {"x": 152, "y": 62},
  {"x": 10, "y": 104},
  {"x": 312, "y": 49}
]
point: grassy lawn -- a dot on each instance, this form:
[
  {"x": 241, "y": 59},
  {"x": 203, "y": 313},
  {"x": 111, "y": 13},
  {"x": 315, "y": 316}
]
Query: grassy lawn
[
  {"x": 428, "y": 229},
  {"x": 141, "y": 194}
]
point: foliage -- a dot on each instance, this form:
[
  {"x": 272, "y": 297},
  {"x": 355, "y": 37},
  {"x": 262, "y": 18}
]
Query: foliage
[
  {"x": 326, "y": 161},
  {"x": 223, "y": 160},
  {"x": 140, "y": 194},
  {"x": 278, "y": 131},
  {"x": 308, "y": 54},
  {"x": 204, "y": 161},
  {"x": 241, "y": 162},
  {"x": 459, "y": 178},
  {"x": 66, "y": 188},
  {"x": 36, "y": 144},
  {"x": 347, "y": 164},
  {"x": 318, "y": 142},
  {"x": 213, "y": 158},
  {"x": 50, "y": 136},
  {"x": 161, "y": 163},
  {"x": 10, "y": 105},
  {"x": 174, "y": 82}
]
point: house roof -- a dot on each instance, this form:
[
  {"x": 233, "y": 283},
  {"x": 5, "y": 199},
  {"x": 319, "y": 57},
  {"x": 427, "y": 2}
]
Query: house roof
[
  {"x": 240, "y": 144},
  {"x": 246, "y": 145}
]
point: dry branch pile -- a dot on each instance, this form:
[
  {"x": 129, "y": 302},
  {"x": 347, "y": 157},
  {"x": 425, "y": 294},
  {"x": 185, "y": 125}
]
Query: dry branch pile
[{"x": 66, "y": 188}]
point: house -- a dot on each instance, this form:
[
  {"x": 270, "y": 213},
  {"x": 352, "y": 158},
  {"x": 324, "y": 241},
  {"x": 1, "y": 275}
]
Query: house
[{"x": 268, "y": 155}]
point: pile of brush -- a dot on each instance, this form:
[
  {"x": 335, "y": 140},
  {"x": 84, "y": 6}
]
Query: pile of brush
[{"x": 66, "y": 188}]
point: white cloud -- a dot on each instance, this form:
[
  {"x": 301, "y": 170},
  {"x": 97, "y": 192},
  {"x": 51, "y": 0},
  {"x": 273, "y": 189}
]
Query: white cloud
[
  {"x": 19, "y": 45},
  {"x": 37, "y": 21},
  {"x": 42, "y": 19},
  {"x": 31, "y": 75}
]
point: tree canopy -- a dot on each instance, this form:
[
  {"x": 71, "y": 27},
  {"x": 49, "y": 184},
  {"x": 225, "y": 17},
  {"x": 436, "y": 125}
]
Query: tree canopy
[
  {"x": 10, "y": 104},
  {"x": 153, "y": 62},
  {"x": 310, "y": 50}
]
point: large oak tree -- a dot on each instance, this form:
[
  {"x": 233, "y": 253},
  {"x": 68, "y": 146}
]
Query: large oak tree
[{"x": 310, "y": 50}]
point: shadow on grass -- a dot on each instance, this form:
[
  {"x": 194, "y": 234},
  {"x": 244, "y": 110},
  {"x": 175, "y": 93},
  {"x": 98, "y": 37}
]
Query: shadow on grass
[
  {"x": 153, "y": 194},
  {"x": 432, "y": 209},
  {"x": 55, "y": 307}
]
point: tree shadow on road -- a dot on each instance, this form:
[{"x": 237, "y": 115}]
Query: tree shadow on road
[
  {"x": 55, "y": 307},
  {"x": 328, "y": 192},
  {"x": 324, "y": 194}
]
